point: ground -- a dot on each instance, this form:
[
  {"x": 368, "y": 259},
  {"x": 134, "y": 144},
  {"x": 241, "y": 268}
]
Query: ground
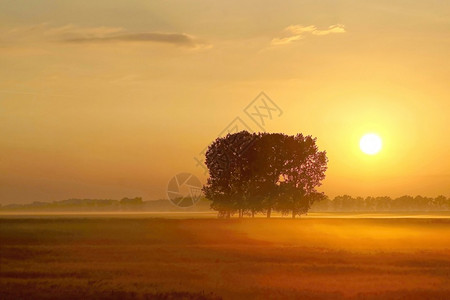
[{"x": 146, "y": 257}]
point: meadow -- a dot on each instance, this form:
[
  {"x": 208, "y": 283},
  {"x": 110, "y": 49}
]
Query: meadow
[{"x": 138, "y": 256}]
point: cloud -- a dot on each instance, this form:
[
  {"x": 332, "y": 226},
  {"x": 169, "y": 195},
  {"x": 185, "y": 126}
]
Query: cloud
[
  {"x": 102, "y": 34},
  {"x": 179, "y": 39},
  {"x": 297, "y": 32},
  {"x": 338, "y": 28}
]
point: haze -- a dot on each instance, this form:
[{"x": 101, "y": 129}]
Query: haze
[{"x": 109, "y": 99}]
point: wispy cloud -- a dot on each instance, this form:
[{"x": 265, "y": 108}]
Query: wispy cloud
[
  {"x": 179, "y": 39},
  {"x": 297, "y": 32},
  {"x": 102, "y": 34}
]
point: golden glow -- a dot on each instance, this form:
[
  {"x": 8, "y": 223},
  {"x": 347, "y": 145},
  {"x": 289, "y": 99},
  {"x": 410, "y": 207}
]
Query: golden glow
[
  {"x": 114, "y": 105},
  {"x": 370, "y": 143}
]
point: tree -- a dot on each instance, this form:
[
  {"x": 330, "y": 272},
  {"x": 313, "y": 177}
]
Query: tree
[
  {"x": 229, "y": 173},
  {"x": 440, "y": 203},
  {"x": 251, "y": 173},
  {"x": 303, "y": 171},
  {"x": 131, "y": 201},
  {"x": 267, "y": 167}
]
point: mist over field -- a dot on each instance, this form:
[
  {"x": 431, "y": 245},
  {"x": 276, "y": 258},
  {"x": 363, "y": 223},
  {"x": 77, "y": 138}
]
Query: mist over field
[
  {"x": 206, "y": 150},
  {"x": 136, "y": 257},
  {"x": 343, "y": 203}
]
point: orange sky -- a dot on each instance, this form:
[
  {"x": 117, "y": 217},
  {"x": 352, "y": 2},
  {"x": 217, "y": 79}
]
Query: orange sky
[{"x": 109, "y": 99}]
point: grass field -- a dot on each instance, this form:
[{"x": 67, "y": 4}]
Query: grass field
[{"x": 142, "y": 257}]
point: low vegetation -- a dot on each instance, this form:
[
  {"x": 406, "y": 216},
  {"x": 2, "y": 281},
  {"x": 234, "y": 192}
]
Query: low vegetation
[{"x": 142, "y": 258}]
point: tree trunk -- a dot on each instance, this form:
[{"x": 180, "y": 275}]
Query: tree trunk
[
  {"x": 240, "y": 214},
  {"x": 228, "y": 215},
  {"x": 269, "y": 212},
  {"x": 253, "y": 213},
  {"x": 293, "y": 213}
]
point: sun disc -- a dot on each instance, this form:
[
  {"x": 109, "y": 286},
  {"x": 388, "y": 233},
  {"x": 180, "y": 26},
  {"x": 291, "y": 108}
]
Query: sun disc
[{"x": 370, "y": 144}]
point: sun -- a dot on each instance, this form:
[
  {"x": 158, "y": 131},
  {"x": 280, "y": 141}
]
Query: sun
[{"x": 370, "y": 143}]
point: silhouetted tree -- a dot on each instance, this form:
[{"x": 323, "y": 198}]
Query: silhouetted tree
[
  {"x": 131, "y": 201},
  {"x": 268, "y": 166},
  {"x": 304, "y": 169},
  {"x": 229, "y": 173},
  {"x": 251, "y": 173},
  {"x": 440, "y": 202}
]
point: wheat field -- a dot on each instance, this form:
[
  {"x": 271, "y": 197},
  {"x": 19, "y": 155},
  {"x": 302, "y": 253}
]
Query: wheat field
[{"x": 149, "y": 257}]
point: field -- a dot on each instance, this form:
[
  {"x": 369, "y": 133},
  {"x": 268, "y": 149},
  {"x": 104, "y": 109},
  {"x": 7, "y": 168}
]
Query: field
[{"x": 149, "y": 257}]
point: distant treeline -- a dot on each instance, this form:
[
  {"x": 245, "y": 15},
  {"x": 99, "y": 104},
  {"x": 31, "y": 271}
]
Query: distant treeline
[
  {"x": 125, "y": 204},
  {"x": 348, "y": 203},
  {"x": 343, "y": 203}
]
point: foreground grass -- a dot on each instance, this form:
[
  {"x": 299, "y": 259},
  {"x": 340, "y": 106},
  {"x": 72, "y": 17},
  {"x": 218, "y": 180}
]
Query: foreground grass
[{"x": 142, "y": 258}]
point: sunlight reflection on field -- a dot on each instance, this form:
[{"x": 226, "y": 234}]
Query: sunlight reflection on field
[{"x": 135, "y": 256}]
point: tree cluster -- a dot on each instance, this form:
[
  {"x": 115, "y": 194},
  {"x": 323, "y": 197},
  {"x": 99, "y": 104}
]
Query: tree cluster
[
  {"x": 348, "y": 203},
  {"x": 252, "y": 173},
  {"x": 77, "y": 204}
]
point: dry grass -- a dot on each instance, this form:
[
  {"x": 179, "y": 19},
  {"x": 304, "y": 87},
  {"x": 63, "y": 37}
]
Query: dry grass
[{"x": 141, "y": 258}]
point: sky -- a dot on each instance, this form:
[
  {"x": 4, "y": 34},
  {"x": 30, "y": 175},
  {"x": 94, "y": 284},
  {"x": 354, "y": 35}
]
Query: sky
[{"x": 111, "y": 99}]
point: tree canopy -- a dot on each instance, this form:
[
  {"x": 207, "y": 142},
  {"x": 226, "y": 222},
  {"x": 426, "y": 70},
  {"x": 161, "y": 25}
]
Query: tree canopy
[{"x": 253, "y": 173}]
